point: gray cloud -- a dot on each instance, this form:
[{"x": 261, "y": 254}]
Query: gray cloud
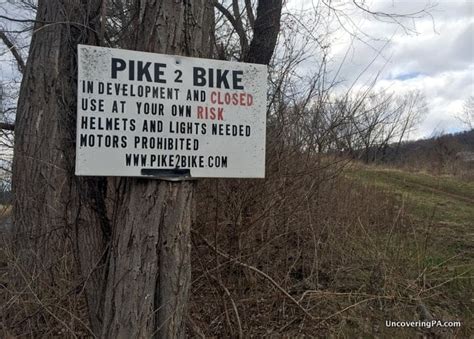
[{"x": 438, "y": 59}]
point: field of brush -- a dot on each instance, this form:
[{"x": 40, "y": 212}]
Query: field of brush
[
  {"x": 322, "y": 250},
  {"x": 335, "y": 255}
]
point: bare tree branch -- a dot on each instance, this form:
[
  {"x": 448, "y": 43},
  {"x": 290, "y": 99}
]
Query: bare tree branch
[
  {"x": 7, "y": 126},
  {"x": 47, "y": 23},
  {"x": 12, "y": 48},
  {"x": 236, "y": 23},
  {"x": 244, "y": 44},
  {"x": 21, "y": 20},
  {"x": 250, "y": 16}
]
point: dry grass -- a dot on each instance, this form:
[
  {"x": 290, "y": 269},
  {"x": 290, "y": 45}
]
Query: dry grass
[
  {"x": 306, "y": 252},
  {"x": 34, "y": 305},
  {"x": 350, "y": 254}
]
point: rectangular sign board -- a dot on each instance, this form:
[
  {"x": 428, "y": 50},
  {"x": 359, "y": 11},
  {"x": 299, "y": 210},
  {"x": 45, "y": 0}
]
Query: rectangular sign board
[{"x": 153, "y": 115}]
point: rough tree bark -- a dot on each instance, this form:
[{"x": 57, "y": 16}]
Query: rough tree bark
[
  {"x": 150, "y": 268},
  {"x": 54, "y": 211},
  {"x": 265, "y": 32}
]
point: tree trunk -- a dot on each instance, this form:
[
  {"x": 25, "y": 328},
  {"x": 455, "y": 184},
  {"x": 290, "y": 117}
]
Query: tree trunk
[
  {"x": 56, "y": 213},
  {"x": 150, "y": 270},
  {"x": 266, "y": 29}
]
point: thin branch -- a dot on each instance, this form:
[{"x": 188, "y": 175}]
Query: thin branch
[
  {"x": 49, "y": 23},
  {"x": 226, "y": 13},
  {"x": 236, "y": 24},
  {"x": 250, "y": 15},
  {"x": 21, "y": 20},
  {"x": 103, "y": 19},
  {"x": 416, "y": 14},
  {"x": 7, "y": 126},
  {"x": 256, "y": 270},
  {"x": 12, "y": 48},
  {"x": 234, "y": 306},
  {"x": 244, "y": 44}
]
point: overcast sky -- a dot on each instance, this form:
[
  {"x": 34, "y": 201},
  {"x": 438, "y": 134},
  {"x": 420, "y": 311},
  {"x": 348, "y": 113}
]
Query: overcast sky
[{"x": 433, "y": 52}]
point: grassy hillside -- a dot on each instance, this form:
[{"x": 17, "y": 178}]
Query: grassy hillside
[
  {"x": 440, "y": 236},
  {"x": 442, "y": 199}
]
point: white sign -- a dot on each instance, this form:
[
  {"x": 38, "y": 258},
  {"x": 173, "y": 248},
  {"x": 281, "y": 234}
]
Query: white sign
[{"x": 153, "y": 115}]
